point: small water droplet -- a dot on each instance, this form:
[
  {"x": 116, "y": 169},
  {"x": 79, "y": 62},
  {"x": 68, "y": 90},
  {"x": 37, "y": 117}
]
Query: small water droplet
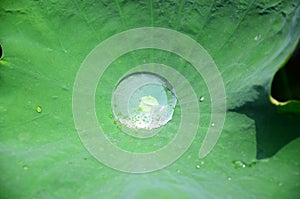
[
  {"x": 229, "y": 178},
  {"x": 111, "y": 116},
  {"x": 212, "y": 124},
  {"x": 239, "y": 164},
  {"x": 201, "y": 99},
  {"x": 198, "y": 166},
  {"x": 280, "y": 184},
  {"x": 38, "y": 109},
  {"x": 257, "y": 37},
  {"x": 25, "y": 167}
]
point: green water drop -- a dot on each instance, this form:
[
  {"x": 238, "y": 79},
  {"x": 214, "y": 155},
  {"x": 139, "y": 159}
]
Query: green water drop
[
  {"x": 25, "y": 167},
  {"x": 212, "y": 124},
  {"x": 229, "y": 178},
  {"x": 239, "y": 164},
  {"x": 38, "y": 109},
  {"x": 198, "y": 166}
]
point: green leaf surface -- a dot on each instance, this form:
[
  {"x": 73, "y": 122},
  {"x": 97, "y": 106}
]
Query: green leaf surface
[{"x": 44, "y": 44}]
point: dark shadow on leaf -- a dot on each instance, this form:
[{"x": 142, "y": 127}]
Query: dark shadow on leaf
[{"x": 274, "y": 130}]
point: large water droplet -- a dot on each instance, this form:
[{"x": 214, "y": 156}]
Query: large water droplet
[{"x": 143, "y": 101}]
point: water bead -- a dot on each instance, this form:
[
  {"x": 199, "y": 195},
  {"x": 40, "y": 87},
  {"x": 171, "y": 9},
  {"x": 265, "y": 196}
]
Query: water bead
[{"x": 145, "y": 101}]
